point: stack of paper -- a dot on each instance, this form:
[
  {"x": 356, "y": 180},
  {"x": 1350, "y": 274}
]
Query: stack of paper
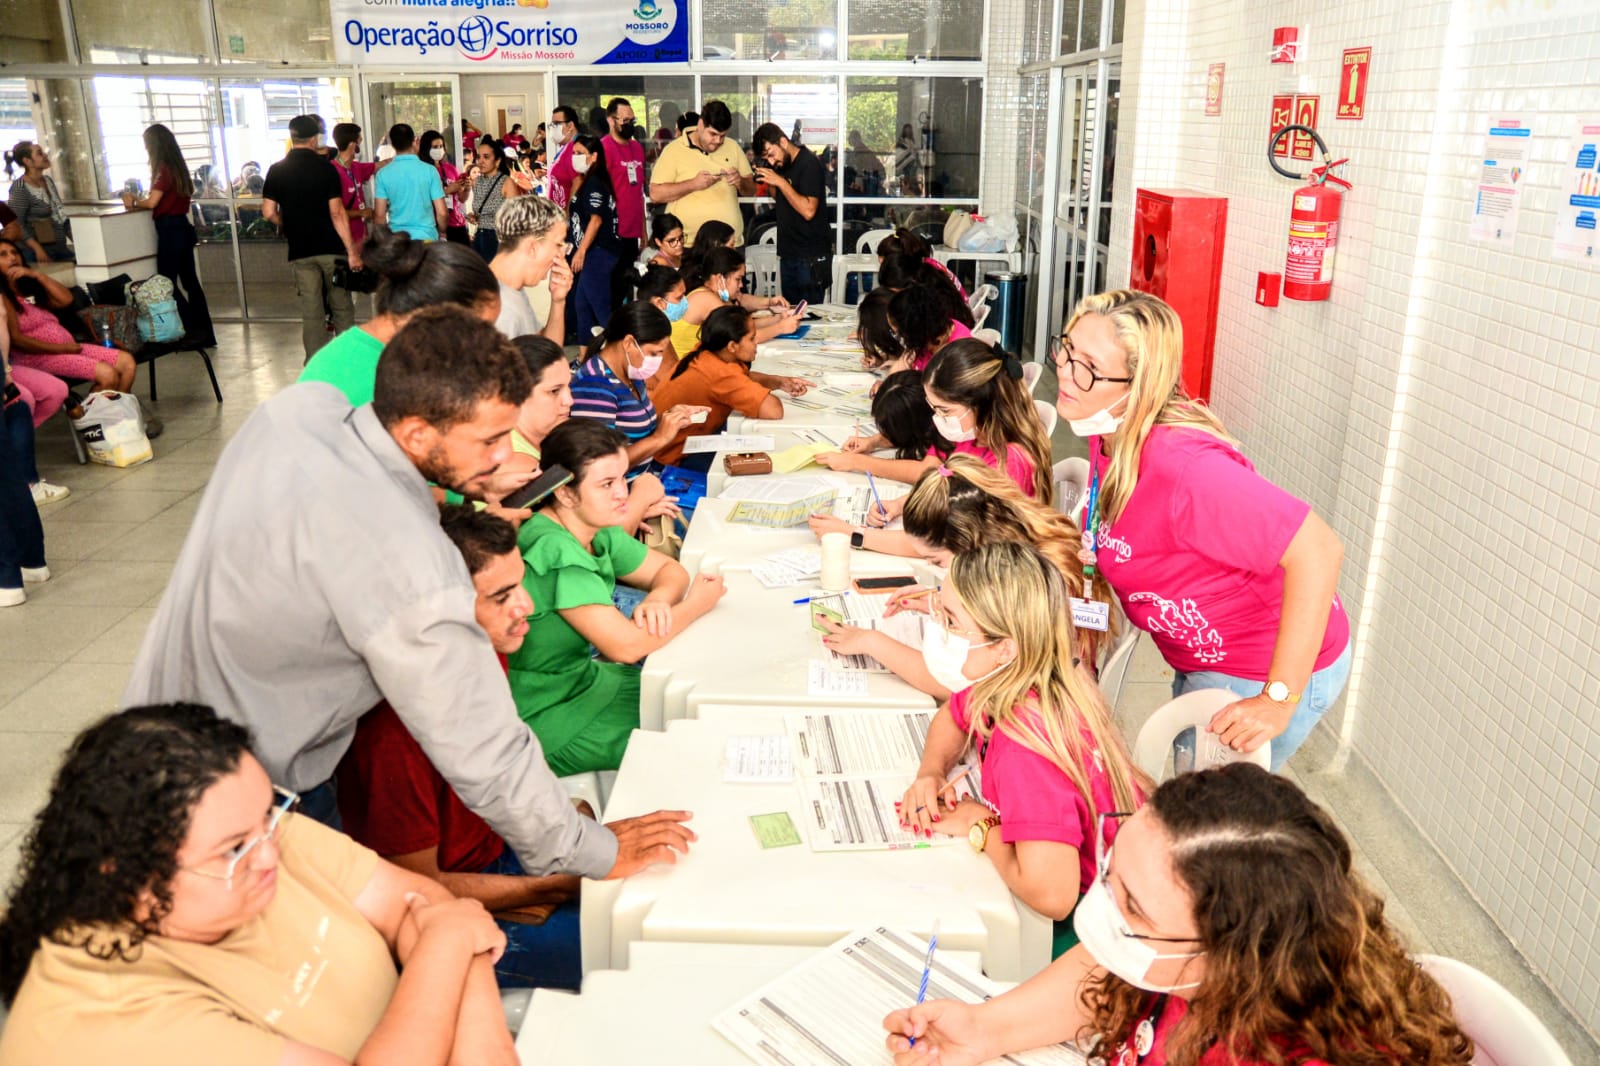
[
  {"x": 830, "y": 1009},
  {"x": 793, "y": 567},
  {"x": 800, "y": 455},
  {"x": 774, "y": 489}
]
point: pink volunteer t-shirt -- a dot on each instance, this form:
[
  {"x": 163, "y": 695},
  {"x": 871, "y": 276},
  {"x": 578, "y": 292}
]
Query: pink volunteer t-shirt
[
  {"x": 958, "y": 331},
  {"x": 626, "y": 164},
  {"x": 1019, "y": 468},
  {"x": 1034, "y": 799},
  {"x": 559, "y": 187},
  {"x": 1194, "y": 557},
  {"x": 353, "y": 195},
  {"x": 1216, "y": 1055}
]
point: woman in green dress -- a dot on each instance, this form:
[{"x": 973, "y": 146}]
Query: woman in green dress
[{"x": 574, "y": 551}]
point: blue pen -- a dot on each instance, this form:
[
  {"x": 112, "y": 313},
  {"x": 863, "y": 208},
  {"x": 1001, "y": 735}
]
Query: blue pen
[
  {"x": 873, "y": 485},
  {"x": 927, "y": 968}
]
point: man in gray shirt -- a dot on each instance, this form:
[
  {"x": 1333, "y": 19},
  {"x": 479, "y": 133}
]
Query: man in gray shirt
[
  {"x": 316, "y": 581},
  {"x": 533, "y": 247}
]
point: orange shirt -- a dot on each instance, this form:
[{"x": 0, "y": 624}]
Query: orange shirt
[{"x": 714, "y": 383}]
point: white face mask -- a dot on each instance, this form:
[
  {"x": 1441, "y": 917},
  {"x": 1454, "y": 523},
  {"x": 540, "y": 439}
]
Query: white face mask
[
  {"x": 558, "y": 134},
  {"x": 580, "y": 164},
  {"x": 949, "y": 427},
  {"x": 1099, "y": 924},
  {"x": 945, "y": 654},
  {"x": 435, "y": 154},
  {"x": 1100, "y": 424}
]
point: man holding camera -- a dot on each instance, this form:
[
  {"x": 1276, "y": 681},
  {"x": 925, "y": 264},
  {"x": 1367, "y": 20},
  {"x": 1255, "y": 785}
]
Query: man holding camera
[{"x": 799, "y": 187}]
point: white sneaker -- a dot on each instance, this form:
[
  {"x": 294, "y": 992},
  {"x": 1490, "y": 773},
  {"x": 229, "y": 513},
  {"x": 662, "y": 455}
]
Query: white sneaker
[
  {"x": 45, "y": 492},
  {"x": 12, "y": 597},
  {"x": 35, "y": 575}
]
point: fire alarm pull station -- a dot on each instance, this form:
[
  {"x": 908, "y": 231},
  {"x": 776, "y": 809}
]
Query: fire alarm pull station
[
  {"x": 1285, "y": 44},
  {"x": 1313, "y": 222},
  {"x": 1267, "y": 288}
]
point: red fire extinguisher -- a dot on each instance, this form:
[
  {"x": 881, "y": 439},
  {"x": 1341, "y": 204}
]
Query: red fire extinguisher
[{"x": 1313, "y": 223}]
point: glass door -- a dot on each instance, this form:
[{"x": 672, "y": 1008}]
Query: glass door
[
  {"x": 432, "y": 103},
  {"x": 1082, "y": 201}
]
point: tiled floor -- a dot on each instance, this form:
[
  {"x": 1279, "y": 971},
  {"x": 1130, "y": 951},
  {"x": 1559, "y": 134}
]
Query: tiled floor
[{"x": 64, "y": 656}]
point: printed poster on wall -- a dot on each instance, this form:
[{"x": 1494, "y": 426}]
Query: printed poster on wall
[
  {"x": 497, "y": 34},
  {"x": 1498, "y": 200},
  {"x": 1579, "y": 206}
]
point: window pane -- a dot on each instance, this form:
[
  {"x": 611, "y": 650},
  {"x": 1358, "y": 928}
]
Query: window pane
[
  {"x": 1119, "y": 14},
  {"x": 1089, "y": 29},
  {"x": 249, "y": 31},
  {"x": 934, "y": 29},
  {"x": 657, "y": 104},
  {"x": 1038, "y": 35},
  {"x": 806, "y": 109},
  {"x": 31, "y": 33},
  {"x": 124, "y": 106},
  {"x": 1031, "y": 142},
  {"x": 788, "y": 29},
  {"x": 110, "y": 31},
  {"x": 1069, "y": 26},
  {"x": 913, "y": 137}
]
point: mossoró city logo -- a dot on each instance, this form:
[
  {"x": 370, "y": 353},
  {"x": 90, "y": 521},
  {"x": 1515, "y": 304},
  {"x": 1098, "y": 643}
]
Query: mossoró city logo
[{"x": 477, "y": 37}]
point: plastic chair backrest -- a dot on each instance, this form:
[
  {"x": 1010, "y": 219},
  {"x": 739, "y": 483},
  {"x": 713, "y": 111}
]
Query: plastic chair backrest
[
  {"x": 990, "y": 337},
  {"x": 981, "y": 296},
  {"x": 1114, "y": 671},
  {"x": 868, "y": 244},
  {"x": 1071, "y": 477},
  {"x": 1047, "y": 415},
  {"x": 770, "y": 236},
  {"x": 1191, "y": 709},
  {"x": 1505, "y": 1031},
  {"x": 1031, "y": 373}
]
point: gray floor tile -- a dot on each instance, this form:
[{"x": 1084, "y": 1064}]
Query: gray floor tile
[
  {"x": 120, "y": 643},
  {"x": 19, "y": 675},
  {"x": 202, "y": 450},
  {"x": 67, "y": 700},
  {"x": 111, "y": 505},
  {"x": 109, "y": 582},
  {"x": 167, "y": 477},
  {"x": 79, "y": 477},
  {"x": 154, "y": 542},
  {"x": 84, "y": 540},
  {"x": 10, "y": 859},
  {"x": 54, "y": 632},
  {"x": 27, "y": 763}
]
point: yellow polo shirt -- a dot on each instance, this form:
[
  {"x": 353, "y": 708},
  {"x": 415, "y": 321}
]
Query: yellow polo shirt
[{"x": 681, "y": 161}]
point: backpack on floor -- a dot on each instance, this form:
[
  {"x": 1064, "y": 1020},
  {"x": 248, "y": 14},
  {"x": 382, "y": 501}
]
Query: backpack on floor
[{"x": 157, "y": 310}]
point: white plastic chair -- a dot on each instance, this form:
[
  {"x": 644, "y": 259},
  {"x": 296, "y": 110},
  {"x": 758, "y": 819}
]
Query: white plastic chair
[
  {"x": 514, "y": 1003},
  {"x": 761, "y": 267},
  {"x": 1114, "y": 671},
  {"x": 981, "y": 296},
  {"x": 991, "y": 337},
  {"x": 1031, "y": 373},
  {"x": 864, "y": 261},
  {"x": 769, "y": 236},
  {"x": 1505, "y": 1031},
  {"x": 1071, "y": 478},
  {"x": 1191, "y": 710},
  {"x": 1047, "y": 415}
]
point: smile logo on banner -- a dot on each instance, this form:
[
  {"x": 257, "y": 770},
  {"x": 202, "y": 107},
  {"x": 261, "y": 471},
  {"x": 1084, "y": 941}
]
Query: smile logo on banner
[{"x": 475, "y": 37}]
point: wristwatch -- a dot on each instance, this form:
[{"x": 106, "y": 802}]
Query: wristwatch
[
  {"x": 1278, "y": 692},
  {"x": 858, "y": 538},
  {"x": 978, "y": 835}
]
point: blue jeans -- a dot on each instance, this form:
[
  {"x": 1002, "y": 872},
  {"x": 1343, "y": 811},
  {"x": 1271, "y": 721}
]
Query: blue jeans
[
  {"x": 798, "y": 279},
  {"x": 538, "y": 956},
  {"x": 19, "y": 430},
  {"x": 591, "y": 292},
  {"x": 1324, "y": 688},
  {"x": 322, "y": 804},
  {"x": 486, "y": 242}
]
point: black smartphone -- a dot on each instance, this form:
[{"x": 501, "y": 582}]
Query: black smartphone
[
  {"x": 537, "y": 489},
  {"x": 883, "y": 584}
]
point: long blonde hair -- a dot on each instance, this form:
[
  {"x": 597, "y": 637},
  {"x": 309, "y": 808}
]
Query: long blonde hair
[
  {"x": 1040, "y": 699},
  {"x": 965, "y": 503},
  {"x": 1150, "y": 334}
]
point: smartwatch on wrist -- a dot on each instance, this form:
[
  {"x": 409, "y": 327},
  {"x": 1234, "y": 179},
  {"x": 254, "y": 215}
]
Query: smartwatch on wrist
[{"x": 858, "y": 538}]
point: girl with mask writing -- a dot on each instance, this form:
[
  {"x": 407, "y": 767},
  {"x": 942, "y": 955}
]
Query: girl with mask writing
[
  {"x": 1234, "y": 578},
  {"x": 1191, "y": 957},
  {"x": 1053, "y": 762}
]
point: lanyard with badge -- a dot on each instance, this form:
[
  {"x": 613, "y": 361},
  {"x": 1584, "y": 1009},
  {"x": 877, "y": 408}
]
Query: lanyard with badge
[{"x": 1087, "y": 612}]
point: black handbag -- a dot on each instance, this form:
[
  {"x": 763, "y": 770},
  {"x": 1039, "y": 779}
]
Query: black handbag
[{"x": 363, "y": 280}]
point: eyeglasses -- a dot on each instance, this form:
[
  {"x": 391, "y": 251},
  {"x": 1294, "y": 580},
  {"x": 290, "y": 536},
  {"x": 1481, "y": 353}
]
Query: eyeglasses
[
  {"x": 673, "y": 240},
  {"x": 1103, "y": 866},
  {"x": 1083, "y": 375},
  {"x": 287, "y": 801}
]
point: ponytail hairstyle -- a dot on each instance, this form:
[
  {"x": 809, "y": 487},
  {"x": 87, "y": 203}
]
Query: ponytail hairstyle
[
  {"x": 724, "y": 326},
  {"x": 640, "y": 319},
  {"x": 19, "y": 155},
  {"x": 540, "y": 353},
  {"x": 417, "y": 274},
  {"x": 1042, "y": 699},
  {"x": 925, "y": 311},
  {"x": 965, "y": 503},
  {"x": 880, "y": 343},
  {"x": 989, "y": 381},
  {"x": 900, "y": 411},
  {"x": 709, "y": 237},
  {"x": 502, "y": 165},
  {"x": 576, "y": 444},
  {"x": 903, "y": 242},
  {"x": 655, "y": 281},
  {"x": 1150, "y": 334},
  {"x": 898, "y": 272}
]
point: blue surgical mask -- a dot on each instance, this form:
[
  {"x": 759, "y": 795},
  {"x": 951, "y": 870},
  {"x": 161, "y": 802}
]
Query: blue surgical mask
[
  {"x": 677, "y": 308},
  {"x": 722, "y": 294}
]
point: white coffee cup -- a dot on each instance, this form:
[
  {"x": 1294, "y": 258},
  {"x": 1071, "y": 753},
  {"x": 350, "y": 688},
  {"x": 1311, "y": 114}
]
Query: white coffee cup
[{"x": 835, "y": 575}]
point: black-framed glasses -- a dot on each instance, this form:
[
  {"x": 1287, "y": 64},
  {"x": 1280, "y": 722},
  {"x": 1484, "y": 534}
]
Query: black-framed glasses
[
  {"x": 1103, "y": 868},
  {"x": 286, "y": 802},
  {"x": 1083, "y": 375}
]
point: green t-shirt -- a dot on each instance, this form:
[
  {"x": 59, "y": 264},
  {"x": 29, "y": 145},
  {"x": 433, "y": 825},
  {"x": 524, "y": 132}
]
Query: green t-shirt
[
  {"x": 557, "y": 684},
  {"x": 349, "y": 363}
]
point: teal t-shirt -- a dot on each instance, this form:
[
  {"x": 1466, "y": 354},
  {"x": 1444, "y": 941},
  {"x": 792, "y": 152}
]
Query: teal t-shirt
[
  {"x": 411, "y": 186},
  {"x": 556, "y": 682},
  {"x": 349, "y": 363}
]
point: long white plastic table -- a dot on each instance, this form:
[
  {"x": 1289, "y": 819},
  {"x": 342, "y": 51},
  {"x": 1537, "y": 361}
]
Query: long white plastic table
[
  {"x": 753, "y": 649},
  {"x": 660, "y": 1008},
  {"x": 713, "y": 541},
  {"x": 730, "y": 890},
  {"x": 784, "y": 435}
]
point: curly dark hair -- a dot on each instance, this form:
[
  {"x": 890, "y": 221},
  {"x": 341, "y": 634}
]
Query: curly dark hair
[
  {"x": 118, "y": 812},
  {"x": 1299, "y": 959}
]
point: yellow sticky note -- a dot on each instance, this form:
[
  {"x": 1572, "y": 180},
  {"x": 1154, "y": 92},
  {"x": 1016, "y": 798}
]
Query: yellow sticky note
[{"x": 791, "y": 459}]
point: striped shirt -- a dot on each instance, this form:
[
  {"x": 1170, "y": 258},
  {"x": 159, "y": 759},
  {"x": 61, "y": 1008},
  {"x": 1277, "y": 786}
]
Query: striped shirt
[{"x": 597, "y": 394}]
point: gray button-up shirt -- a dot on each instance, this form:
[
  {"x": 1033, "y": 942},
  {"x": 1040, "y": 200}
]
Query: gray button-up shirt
[{"x": 316, "y": 581}]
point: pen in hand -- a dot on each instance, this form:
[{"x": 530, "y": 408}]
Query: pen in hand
[{"x": 927, "y": 968}]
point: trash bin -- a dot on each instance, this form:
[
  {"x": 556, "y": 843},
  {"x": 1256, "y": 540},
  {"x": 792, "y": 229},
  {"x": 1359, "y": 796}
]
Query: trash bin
[{"x": 1010, "y": 307}]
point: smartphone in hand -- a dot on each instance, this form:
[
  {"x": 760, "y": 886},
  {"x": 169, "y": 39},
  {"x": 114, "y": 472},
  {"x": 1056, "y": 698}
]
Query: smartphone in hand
[{"x": 537, "y": 489}]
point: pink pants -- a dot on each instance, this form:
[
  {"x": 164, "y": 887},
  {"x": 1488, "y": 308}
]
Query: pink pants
[
  {"x": 43, "y": 393},
  {"x": 79, "y": 367}
]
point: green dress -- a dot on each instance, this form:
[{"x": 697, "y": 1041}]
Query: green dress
[
  {"x": 349, "y": 362},
  {"x": 582, "y": 709}
]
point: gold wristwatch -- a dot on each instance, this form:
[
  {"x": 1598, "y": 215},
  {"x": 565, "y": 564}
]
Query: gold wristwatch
[
  {"x": 1278, "y": 692},
  {"x": 978, "y": 835}
]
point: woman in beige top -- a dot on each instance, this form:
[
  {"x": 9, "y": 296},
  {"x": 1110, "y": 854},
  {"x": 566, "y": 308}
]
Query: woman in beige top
[{"x": 172, "y": 909}]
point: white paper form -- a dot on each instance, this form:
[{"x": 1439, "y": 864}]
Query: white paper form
[
  {"x": 774, "y": 489},
  {"x": 728, "y": 442},
  {"x": 851, "y": 504},
  {"x": 767, "y": 759},
  {"x": 829, "y": 1010},
  {"x": 823, "y": 680},
  {"x": 778, "y": 515},
  {"x": 833, "y": 745},
  {"x": 866, "y": 612}
]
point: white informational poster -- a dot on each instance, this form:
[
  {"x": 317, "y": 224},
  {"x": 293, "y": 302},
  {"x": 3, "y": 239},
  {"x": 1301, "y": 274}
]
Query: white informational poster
[
  {"x": 1498, "y": 200},
  {"x": 504, "y": 34},
  {"x": 1579, "y": 203}
]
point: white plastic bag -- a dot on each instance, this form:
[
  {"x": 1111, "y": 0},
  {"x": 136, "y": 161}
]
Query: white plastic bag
[
  {"x": 112, "y": 427},
  {"x": 990, "y": 235}
]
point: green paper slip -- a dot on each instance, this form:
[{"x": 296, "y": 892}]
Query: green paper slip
[
  {"x": 774, "y": 830},
  {"x": 820, "y": 611}
]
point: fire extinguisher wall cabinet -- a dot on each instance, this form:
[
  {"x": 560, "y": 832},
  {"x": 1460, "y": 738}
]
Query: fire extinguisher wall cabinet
[{"x": 1177, "y": 255}]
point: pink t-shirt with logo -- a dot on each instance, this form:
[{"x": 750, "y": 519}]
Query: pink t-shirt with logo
[
  {"x": 559, "y": 187},
  {"x": 1019, "y": 468},
  {"x": 626, "y": 163},
  {"x": 1194, "y": 557},
  {"x": 1034, "y": 799},
  {"x": 958, "y": 331},
  {"x": 1216, "y": 1055}
]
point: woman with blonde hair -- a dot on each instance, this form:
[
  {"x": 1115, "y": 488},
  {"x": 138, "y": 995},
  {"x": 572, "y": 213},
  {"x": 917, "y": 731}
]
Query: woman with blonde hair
[
  {"x": 1053, "y": 762},
  {"x": 1234, "y": 578},
  {"x": 954, "y": 509},
  {"x": 1226, "y": 928}
]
